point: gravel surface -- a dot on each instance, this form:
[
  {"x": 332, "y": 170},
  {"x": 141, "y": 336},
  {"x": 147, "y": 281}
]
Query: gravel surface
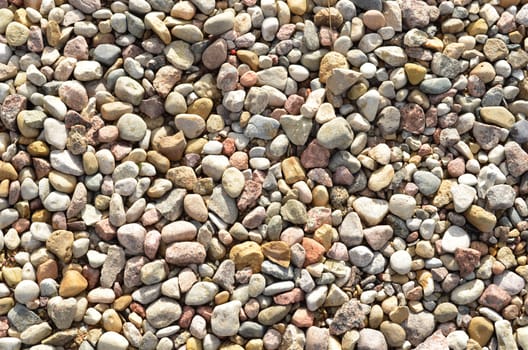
[{"x": 273, "y": 174}]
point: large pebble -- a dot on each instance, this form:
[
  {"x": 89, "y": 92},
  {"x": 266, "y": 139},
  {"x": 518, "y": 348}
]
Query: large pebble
[
  {"x": 467, "y": 292},
  {"x": 370, "y": 210},
  {"x": 131, "y": 127},
  {"x": 112, "y": 341},
  {"x": 337, "y": 133},
  {"x": 455, "y": 237},
  {"x": 402, "y": 205},
  {"x": 400, "y": 262},
  {"x": 129, "y": 90},
  {"x": 224, "y": 319}
]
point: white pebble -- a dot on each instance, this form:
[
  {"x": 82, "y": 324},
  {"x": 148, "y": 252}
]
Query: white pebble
[{"x": 401, "y": 261}]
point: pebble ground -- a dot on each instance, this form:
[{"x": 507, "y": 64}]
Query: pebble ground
[{"x": 271, "y": 174}]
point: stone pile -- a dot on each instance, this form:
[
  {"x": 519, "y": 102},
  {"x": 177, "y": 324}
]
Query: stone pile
[{"x": 243, "y": 174}]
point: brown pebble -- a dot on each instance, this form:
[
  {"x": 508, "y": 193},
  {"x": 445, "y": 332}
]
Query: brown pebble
[{"x": 373, "y": 19}]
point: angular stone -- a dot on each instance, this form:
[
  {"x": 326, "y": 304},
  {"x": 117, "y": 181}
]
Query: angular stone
[
  {"x": 495, "y": 298},
  {"x": 171, "y": 206},
  {"x": 247, "y": 254},
  {"x": 516, "y": 159},
  {"x": 297, "y": 128},
  {"x": 394, "y": 56},
  {"x": 60, "y": 243},
  {"x": 329, "y": 62},
  {"x": 481, "y": 219},
  {"x": 223, "y": 205},
  {"x": 278, "y": 252}
]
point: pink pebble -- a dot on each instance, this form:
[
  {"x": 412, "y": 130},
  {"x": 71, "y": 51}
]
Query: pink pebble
[
  {"x": 292, "y": 235},
  {"x": 303, "y": 318},
  {"x": 338, "y": 251},
  {"x": 151, "y": 244},
  {"x": 108, "y": 134},
  {"x": 248, "y": 79}
]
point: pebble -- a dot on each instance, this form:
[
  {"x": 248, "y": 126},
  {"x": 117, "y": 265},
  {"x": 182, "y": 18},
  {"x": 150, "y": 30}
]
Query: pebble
[
  {"x": 184, "y": 253},
  {"x": 505, "y": 338},
  {"x": 500, "y": 197},
  {"x": 201, "y": 293},
  {"x": 72, "y": 284},
  {"x": 112, "y": 341},
  {"x": 62, "y": 311},
  {"x": 219, "y": 24},
  {"x": 463, "y": 197},
  {"x": 419, "y": 326},
  {"x": 87, "y": 71},
  {"x": 372, "y": 211},
  {"x": 370, "y": 339},
  {"x": 499, "y": 116},
  {"x": 129, "y": 90},
  {"x": 16, "y": 34},
  {"x": 163, "y": 312},
  {"x": 26, "y": 291},
  {"x": 435, "y": 86},
  {"x": 35, "y": 333},
  {"x": 131, "y": 237},
  {"x": 131, "y": 127},
  {"x": 467, "y": 292},
  {"x": 361, "y": 256},
  {"x": 400, "y": 262},
  {"x": 427, "y": 182},
  {"x": 66, "y": 162},
  {"x": 510, "y": 282},
  {"x": 392, "y": 55},
  {"x": 453, "y": 238},
  {"x": 480, "y": 329},
  {"x": 402, "y": 206},
  {"x": 224, "y": 319},
  {"x": 480, "y": 218}
]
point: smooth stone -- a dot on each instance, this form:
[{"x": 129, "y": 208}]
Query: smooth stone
[
  {"x": 504, "y": 332},
  {"x": 336, "y": 133},
  {"x": 510, "y": 282},
  {"x": 455, "y": 237},
  {"x": 371, "y": 339},
  {"x": 463, "y": 196},
  {"x": 224, "y": 319},
  {"x": 112, "y": 341},
  {"x": 201, "y": 293},
  {"x": 400, "y": 262},
  {"x": 402, "y": 205},
  {"x": 129, "y": 90},
  {"x": 435, "y": 86},
  {"x": 131, "y": 127},
  {"x": 427, "y": 182},
  {"x": 163, "y": 312},
  {"x": 468, "y": 292},
  {"x": 26, "y": 291},
  {"x": 360, "y": 256},
  {"x": 219, "y": 24},
  {"x": 497, "y": 115}
]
